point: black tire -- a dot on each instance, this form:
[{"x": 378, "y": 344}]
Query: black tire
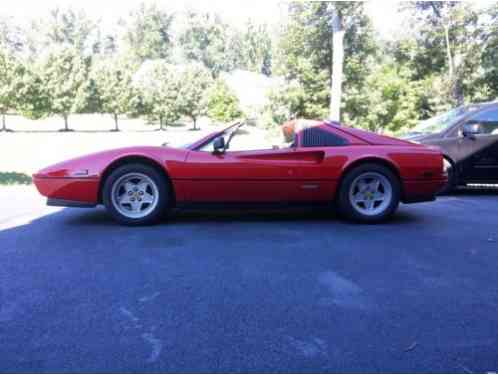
[
  {"x": 163, "y": 196},
  {"x": 347, "y": 208},
  {"x": 452, "y": 178}
]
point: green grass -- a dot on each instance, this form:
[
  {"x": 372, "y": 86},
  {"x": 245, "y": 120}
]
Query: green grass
[{"x": 14, "y": 178}]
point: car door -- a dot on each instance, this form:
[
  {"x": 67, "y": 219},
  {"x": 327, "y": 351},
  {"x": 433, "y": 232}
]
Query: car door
[
  {"x": 272, "y": 175},
  {"x": 300, "y": 173},
  {"x": 478, "y": 152}
]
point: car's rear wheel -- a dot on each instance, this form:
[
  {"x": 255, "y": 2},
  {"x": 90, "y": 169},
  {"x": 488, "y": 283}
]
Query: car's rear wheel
[
  {"x": 136, "y": 194},
  {"x": 369, "y": 193}
]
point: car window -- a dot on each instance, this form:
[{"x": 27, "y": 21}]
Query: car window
[
  {"x": 487, "y": 120},
  {"x": 249, "y": 139},
  {"x": 444, "y": 121},
  {"x": 208, "y": 146},
  {"x": 316, "y": 137}
]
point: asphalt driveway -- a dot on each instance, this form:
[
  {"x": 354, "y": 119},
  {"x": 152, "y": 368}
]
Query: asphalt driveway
[{"x": 296, "y": 291}]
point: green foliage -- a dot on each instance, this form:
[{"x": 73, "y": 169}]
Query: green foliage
[
  {"x": 205, "y": 39},
  {"x": 255, "y": 48},
  {"x": 14, "y": 178},
  {"x": 11, "y": 38},
  {"x": 11, "y": 72},
  {"x": 159, "y": 86},
  {"x": 34, "y": 100},
  {"x": 222, "y": 103},
  {"x": 192, "y": 94},
  {"x": 65, "y": 64},
  {"x": 64, "y": 28},
  {"x": 388, "y": 102},
  {"x": 304, "y": 55},
  {"x": 147, "y": 32},
  {"x": 65, "y": 78},
  {"x": 451, "y": 38}
]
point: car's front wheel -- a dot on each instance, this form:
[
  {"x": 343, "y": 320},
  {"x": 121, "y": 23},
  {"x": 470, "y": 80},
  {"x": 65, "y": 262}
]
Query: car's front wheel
[
  {"x": 369, "y": 193},
  {"x": 136, "y": 194}
]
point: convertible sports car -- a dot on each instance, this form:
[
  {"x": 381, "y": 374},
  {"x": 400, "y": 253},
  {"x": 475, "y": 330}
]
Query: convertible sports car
[{"x": 365, "y": 174}]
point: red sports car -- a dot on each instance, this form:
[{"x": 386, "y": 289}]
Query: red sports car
[{"x": 366, "y": 175}]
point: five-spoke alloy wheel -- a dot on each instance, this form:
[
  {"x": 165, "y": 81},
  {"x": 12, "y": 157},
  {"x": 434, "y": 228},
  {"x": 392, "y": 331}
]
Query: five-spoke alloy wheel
[
  {"x": 369, "y": 193},
  {"x": 136, "y": 194}
]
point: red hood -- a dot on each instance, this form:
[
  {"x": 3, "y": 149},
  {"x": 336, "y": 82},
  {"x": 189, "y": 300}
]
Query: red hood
[{"x": 92, "y": 165}]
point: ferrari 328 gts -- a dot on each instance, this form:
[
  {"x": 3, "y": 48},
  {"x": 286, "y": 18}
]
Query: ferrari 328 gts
[{"x": 365, "y": 175}]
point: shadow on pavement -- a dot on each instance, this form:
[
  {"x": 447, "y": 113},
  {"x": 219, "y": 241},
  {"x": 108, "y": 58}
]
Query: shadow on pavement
[{"x": 98, "y": 217}]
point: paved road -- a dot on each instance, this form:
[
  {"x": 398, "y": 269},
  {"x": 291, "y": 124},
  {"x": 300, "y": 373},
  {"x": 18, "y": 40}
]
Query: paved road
[{"x": 255, "y": 292}]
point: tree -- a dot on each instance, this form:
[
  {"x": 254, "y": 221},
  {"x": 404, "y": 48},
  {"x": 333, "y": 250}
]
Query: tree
[
  {"x": 195, "y": 81},
  {"x": 104, "y": 44},
  {"x": 338, "y": 29},
  {"x": 34, "y": 101},
  {"x": 488, "y": 81},
  {"x": 65, "y": 76},
  {"x": 64, "y": 28},
  {"x": 305, "y": 53},
  {"x": 11, "y": 38},
  {"x": 159, "y": 84},
  {"x": 147, "y": 32},
  {"x": 222, "y": 103},
  {"x": 389, "y": 101},
  {"x": 11, "y": 73},
  {"x": 205, "y": 39},
  {"x": 255, "y": 48},
  {"x": 460, "y": 33},
  {"x": 114, "y": 84}
]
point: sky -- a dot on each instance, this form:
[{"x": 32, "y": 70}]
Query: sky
[{"x": 383, "y": 12}]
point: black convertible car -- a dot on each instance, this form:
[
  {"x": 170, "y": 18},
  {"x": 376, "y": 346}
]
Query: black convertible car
[{"x": 468, "y": 137}]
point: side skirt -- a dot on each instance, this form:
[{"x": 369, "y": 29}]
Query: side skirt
[
  {"x": 250, "y": 205},
  {"x": 66, "y": 203}
]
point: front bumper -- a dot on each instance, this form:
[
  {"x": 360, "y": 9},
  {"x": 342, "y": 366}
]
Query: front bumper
[{"x": 76, "y": 192}]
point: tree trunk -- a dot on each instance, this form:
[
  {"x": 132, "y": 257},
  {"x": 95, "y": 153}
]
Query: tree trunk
[
  {"x": 116, "y": 126},
  {"x": 449, "y": 56},
  {"x": 195, "y": 123},
  {"x": 161, "y": 123},
  {"x": 455, "y": 80},
  {"x": 66, "y": 125},
  {"x": 4, "y": 124},
  {"x": 457, "y": 91},
  {"x": 337, "y": 67}
]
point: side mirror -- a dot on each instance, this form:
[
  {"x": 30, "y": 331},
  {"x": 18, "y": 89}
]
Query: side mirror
[
  {"x": 470, "y": 130},
  {"x": 219, "y": 145}
]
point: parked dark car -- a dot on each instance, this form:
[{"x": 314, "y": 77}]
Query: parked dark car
[{"x": 468, "y": 137}]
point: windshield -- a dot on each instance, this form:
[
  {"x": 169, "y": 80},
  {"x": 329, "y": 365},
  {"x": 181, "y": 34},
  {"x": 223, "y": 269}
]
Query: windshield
[{"x": 443, "y": 121}]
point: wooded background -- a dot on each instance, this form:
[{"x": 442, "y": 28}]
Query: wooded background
[{"x": 164, "y": 65}]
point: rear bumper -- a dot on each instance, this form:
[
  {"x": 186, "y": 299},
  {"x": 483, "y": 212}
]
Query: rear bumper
[{"x": 416, "y": 191}]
